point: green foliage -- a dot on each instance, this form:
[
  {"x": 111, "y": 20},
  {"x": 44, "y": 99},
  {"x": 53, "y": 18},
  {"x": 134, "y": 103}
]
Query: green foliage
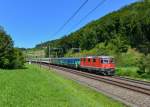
[
  {"x": 17, "y": 59},
  {"x": 131, "y": 58},
  {"x": 127, "y": 27},
  {"x": 144, "y": 66},
  {"x": 127, "y": 71},
  {"x": 132, "y": 72},
  {"x": 9, "y": 56}
]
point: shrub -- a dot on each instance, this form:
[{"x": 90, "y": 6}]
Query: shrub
[
  {"x": 131, "y": 58},
  {"x": 144, "y": 66},
  {"x": 127, "y": 71}
]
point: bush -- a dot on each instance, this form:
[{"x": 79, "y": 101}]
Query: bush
[
  {"x": 17, "y": 59},
  {"x": 144, "y": 66},
  {"x": 127, "y": 71},
  {"x": 131, "y": 58}
]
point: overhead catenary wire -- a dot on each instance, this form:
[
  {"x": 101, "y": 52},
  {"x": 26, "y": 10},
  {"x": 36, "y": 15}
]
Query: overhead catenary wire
[
  {"x": 74, "y": 14},
  {"x": 90, "y": 12}
]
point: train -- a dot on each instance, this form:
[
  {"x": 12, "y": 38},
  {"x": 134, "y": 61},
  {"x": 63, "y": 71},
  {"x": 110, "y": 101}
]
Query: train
[{"x": 97, "y": 64}]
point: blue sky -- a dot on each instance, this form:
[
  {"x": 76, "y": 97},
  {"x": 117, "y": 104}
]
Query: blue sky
[{"x": 30, "y": 22}]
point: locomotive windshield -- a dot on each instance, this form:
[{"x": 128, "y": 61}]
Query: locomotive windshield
[
  {"x": 107, "y": 60},
  {"x": 104, "y": 61}
]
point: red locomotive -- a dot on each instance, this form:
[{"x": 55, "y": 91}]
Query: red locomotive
[{"x": 101, "y": 64}]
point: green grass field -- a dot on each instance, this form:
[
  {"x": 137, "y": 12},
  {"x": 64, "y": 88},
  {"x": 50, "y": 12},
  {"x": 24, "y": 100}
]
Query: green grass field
[{"x": 38, "y": 87}]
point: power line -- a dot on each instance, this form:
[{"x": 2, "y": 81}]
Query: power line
[
  {"x": 88, "y": 14},
  {"x": 76, "y": 12}
]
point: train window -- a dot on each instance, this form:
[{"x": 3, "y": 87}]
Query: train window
[
  {"x": 101, "y": 61},
  {"x": 94, "y": 60},
  {"x": 84, "y": 59},
  {"x": 104, "y": 61},
  {"x": 88, "y": 59}
]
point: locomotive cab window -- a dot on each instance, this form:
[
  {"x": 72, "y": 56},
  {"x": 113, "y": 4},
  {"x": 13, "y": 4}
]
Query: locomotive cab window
[
  {"x": 89, "y": 60},
  {"x": 104, "y": 61}
]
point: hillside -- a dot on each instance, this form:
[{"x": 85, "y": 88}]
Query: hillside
[
  {"x": 123, "y": 34},
  {"x": 122, "y": 29}
]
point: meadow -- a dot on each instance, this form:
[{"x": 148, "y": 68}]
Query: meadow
[{"x": 39, "y": 87}]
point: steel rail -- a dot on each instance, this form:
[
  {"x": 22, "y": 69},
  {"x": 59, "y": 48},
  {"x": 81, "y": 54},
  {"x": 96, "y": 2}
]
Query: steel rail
[
  {"x": 105, "y": 79},
  {"x": 132, "y": 80}
]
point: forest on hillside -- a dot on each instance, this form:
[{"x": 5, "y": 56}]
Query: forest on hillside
[
  {"x": 127, "y": 27},
  {"x": 10, "y": 57},
  {"x": 124, "y": 34}
]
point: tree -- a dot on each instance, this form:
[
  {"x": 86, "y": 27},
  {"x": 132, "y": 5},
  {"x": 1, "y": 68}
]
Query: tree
[{"x": 9, "y": 56}]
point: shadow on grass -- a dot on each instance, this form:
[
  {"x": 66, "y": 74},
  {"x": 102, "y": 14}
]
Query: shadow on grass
[{"x": 13, "y": 69}]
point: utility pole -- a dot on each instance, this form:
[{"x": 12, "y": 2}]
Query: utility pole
[
  {"x": 49, "y": 49},
  {"x": 41, "y": 55}
]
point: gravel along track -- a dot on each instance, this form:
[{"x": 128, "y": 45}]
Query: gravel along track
[
  {"x": 127, "y": 96},
  {"x": 134, "y": 85}
]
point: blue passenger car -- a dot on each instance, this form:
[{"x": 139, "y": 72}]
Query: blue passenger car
[{"x": 69, "y": 62}]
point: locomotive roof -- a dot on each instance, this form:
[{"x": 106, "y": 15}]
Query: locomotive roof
[
  {"x": 98, "y": 57},
  {"x": 80, "y": 57}
]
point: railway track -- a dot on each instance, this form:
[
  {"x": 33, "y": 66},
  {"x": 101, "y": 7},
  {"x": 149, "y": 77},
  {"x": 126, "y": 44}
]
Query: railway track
[
  {"x": 132, "y": 80},
  {"x": 131, "y": 84}
]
